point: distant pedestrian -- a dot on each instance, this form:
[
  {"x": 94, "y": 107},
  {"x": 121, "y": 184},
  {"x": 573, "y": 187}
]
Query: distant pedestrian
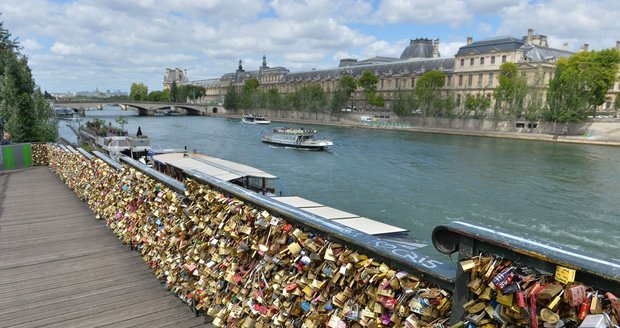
[{"x": 139, "y": 132}]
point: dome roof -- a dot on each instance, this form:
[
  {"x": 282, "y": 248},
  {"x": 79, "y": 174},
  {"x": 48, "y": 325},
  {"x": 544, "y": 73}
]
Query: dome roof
[{"x": 418, "y": 48}]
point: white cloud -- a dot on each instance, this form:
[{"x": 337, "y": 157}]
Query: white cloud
[
  {"x": 576, "y": 22},
  {"x": 450, "y": 12},
  {"x": 31, "y": 45},
  {"x": 86, "y": 43},
  {"x": 490, "y": 6},
  {"x": 384, "y": 49}
]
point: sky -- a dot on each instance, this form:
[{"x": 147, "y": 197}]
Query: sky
[{"x": 83, "y": 45}]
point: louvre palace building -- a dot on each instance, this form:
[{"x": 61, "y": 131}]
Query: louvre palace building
[{"x": 474, "y": 70}]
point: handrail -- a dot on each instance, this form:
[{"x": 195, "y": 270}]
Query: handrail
[
  {"x": 108, "y": 160},
  {"x": 175, "y": 185},
  {"x": 595, "y": 270},
  {"x": 86, "y": 153},
  {"x": 383, "y": 249}
]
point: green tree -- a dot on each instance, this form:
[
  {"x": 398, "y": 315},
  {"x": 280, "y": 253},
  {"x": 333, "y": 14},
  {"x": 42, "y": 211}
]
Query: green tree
[
  {"x": 27, "y": 115},
  {"x": 376, "y": 99},
  {"x": 174, "y": 92},
  {"x": 404, "y": 105},
  {"x": 249, "y": 93},
  {"x": 338, "y": 99},
  {"x": 138, "y": 91},
  {"x": 231, "y": 99},
  {"x": 368, "y": 82},
  {"x": 348, "y": 85},
  {"x": 428, "y": 91},
  {"x": 273, "y": 100},
  {"x": 251, "y": 84},
  {"x": 159, "y": 95},
  {"x": 511, "y": 91},
  {"x": 597, "y": 71},
  {"x": 189, "y": 91},
  {"x": 617, "y": 102},
  {"x": 476, "y": 105},
  {"x": 566, "y": 100}
]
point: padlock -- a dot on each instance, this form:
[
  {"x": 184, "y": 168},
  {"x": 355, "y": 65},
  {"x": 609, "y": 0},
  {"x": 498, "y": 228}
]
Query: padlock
[
  {"x": 334, "y": 320},
  {"x": 353, "y": 313}
]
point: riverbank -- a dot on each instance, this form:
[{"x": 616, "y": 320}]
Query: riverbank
[{"x": 344, "y": 122}]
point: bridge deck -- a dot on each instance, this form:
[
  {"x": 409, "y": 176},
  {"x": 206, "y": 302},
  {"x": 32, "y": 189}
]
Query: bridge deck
[{"x": 60, "y": 267}]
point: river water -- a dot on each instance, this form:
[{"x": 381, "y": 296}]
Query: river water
[{"x": 563, "y": 193}]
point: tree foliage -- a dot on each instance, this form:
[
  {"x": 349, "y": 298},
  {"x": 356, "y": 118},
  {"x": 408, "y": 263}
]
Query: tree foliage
[
  {"x": 580, "y": 84},
  {"x": 428, "y": 91},
  {"x": 28, "y": 115},
  {"x": 368, "y": 82},
  {"x": 404, "y": 104},
  {"x": 476, "y": 105},
  {"x": 231, "y": 99},
  {"x": 159, "y": 95},
  {"x": 190, "y": 92},
  {"x": 512, "y": 89},
  {"x": 347, "y": 85},
  {"x": 138, "y": 91}
]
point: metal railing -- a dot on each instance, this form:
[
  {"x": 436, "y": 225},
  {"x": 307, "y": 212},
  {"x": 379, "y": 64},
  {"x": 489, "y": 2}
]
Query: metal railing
[
  {"x": 466, "y": 239},
  {"x": 470, "y": 240}
]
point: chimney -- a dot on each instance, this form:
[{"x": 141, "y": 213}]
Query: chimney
[
  {"x": 469, "y": 40},
  {"x": 436, "y": 48},
  {"x": 530, "y": 34},
  {"x": 585, "y": 47},
  {"x": 565, "y": 46}
]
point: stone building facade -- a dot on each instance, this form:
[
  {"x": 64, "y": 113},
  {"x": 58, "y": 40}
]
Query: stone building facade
[
  {"x": 175, "y": 75},
  {"x": 474, "y": 70}
]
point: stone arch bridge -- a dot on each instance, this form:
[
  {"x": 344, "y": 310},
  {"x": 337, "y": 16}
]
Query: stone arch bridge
[{"x": 144, "y": 108}]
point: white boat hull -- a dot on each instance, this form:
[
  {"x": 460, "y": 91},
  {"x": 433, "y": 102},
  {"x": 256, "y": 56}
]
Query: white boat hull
[{"x": 314, "y": 144}]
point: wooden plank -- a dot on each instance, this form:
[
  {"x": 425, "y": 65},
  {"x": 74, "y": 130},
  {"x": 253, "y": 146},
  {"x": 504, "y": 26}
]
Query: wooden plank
[{"x": 59, "y": 266}]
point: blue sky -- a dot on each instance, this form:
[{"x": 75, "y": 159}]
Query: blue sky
[{"x": 76, "y": 45}]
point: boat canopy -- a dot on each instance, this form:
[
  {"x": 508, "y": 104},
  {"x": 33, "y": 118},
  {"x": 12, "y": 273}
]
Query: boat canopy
[
  {"x": 213, "y": 166},
  {"x": 350, "y": 220}
]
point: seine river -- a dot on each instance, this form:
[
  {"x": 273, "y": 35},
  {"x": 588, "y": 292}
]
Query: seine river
[{"x": 564, "y": 193}]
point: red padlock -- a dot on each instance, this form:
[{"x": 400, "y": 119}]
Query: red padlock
[{"x": 520, "y": 298}]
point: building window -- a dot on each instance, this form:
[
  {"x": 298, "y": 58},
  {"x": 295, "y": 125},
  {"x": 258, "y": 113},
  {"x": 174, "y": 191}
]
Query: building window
[
  {"x": 492, "y": 60},
  {"x": 491, "y": 79},
  {"x": 471, "y": 62},
  {"x": 469, "y": 79},
  {"x": 412, "y": 82},
  {"x": 458, "y": 100},
  {"x": 381, "y": 84},
  {"x": 449, "y": 81},
  {"x": 462, "y": 62},
  {"x": 481, "y": 60},
  {"x": 460, "y": 80},
  {"x": 396, "y": 84},
  {"x": 480, "y": 79},
  {"x": 503, "y": 58}
]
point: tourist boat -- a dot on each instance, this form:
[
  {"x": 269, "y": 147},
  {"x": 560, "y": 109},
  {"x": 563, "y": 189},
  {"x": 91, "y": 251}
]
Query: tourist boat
[
  {"x": 296, "y": 137},
  {"x": 251, "y": 119},
  {"x": 172, "y": 112},
  {"x": 115, "y": 142}
]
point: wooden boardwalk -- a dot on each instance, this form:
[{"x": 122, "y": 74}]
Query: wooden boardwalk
[{"x": 59, "y": 267}]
